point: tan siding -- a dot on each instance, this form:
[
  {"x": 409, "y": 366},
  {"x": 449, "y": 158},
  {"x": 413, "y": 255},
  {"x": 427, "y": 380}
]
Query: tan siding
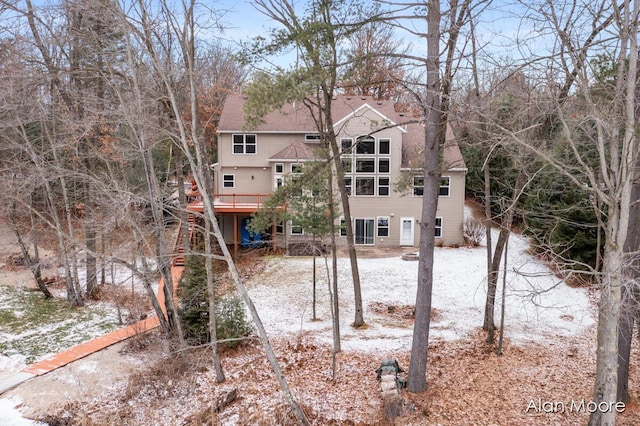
[{"x": 254, "y": 173}]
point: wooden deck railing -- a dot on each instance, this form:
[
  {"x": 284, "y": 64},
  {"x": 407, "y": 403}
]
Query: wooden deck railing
[{"x": 233, "y": 200}]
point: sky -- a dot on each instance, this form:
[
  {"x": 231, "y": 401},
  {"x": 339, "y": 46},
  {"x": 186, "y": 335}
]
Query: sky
[{"x": 499, "y": 26}]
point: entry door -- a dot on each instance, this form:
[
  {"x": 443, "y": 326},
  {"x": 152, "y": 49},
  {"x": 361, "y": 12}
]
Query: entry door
[{"x": 406, "y": 231}]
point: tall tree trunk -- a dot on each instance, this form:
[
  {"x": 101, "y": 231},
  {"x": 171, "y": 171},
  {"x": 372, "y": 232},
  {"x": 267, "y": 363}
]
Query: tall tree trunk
[
  {"x": 208, "y": 262},
  {"x": 494, "y": 272},
  {"x": 417, "y": 375},
  {"x": 90, "y": 241},
  {"x": 630, "y": 293},
  {"x": 335, "y": 302},
  {"x": 346, "y": 209}
]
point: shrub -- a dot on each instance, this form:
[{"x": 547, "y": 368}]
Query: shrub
[
  {"x": 231, "y": 322},
  {"x": 474, "y": 231}
]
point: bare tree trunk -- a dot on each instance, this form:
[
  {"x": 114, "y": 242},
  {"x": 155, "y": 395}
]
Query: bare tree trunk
[
  {"x": 504, "y": 299},
  {"x": 503, "y": 239},
  {"x": 417, "y": 375},
  {"x": 346, "y": 209},
  {"x": 630, "y": 311},
  {"x": 335, "y": 305},
  {"x": 32, "y": 262},
  {"x": 208, "y": 262}
]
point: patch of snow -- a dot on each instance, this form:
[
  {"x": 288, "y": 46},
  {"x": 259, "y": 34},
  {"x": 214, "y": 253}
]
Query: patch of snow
[
  {"x": 537, "y": 303},
  {"x": 10, "y": 416},
  {"x": 10, "y": 364}
]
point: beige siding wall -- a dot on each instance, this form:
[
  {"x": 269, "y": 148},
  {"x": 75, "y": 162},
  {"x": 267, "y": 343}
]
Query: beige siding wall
[
  {"x": 255, "y": 174},
  {"x": 399, "y": 206},
  {"x": 267, "y": 145}
]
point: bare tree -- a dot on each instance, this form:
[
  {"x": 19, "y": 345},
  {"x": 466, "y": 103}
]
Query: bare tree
[
  {"x": 609, "y": 125},
  {"x": 317, "y": 36},
  {"x": 181, "y": 29}
]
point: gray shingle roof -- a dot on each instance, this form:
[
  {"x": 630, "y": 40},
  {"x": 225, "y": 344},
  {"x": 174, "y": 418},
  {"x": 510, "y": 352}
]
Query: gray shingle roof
[{"x": 295, "y": 118}]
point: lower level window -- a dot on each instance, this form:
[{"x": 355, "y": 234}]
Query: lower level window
[
  {"x": 280, "y": 227},
  {"x": 383, "y": 226},
  {"x": 438, "y": 227},
  {"x": 363, "y": 231},
  {"x": 296, "y": 229}
]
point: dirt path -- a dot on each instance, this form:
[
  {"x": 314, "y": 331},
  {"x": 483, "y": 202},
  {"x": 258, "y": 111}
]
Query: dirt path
[{"x": 82, "y": 380}]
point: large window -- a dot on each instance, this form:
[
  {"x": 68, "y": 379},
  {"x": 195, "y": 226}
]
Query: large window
[
  {"x": 229, "y": 181},
  {"x": 438, "y": 227},
  {"x": 364, "y": 231},
  {"x": 244, "y": 144},
  {"x": 418, "y": 186},
  {"x": 365, "y": 186},
  {"x": 365, "y": 165},
  {"x": 445, "y": 186},
  {"x": 383, "y": 226},
  {"x": 365, "y": 145}
]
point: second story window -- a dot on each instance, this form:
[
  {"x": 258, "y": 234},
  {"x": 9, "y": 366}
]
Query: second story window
[
  {"x": 418, "y": 186},
  {"x": 229, "y": 181},
  {"x": 445, "y": 186},
  {"x": 244, "y": 144},
  {"x": 365, "y": 165}
]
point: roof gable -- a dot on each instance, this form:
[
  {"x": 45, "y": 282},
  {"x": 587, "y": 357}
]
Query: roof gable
[
  {"x": 360, "y": 112},
  {"x": 295, "y": 151}
]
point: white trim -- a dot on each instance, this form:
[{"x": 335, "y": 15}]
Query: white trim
[
  {"x": 445, "y": 186},
  {"x": 361, "y": 107},
  {"x": 388, "y": 227},
  {"x": 441, "y": 227},
  {"x": 291, "y": 225},
  {"x": 373, "y": 233},
  {"x": 409, "y": 241},
  {"x": 233, "y": 182}
]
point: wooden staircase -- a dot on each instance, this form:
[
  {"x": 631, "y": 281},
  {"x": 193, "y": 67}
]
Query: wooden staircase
[{"x": 178, "y": 247}]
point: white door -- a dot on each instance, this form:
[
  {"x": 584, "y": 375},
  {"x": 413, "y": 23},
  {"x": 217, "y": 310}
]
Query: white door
[{"x": 406, "y": 231}]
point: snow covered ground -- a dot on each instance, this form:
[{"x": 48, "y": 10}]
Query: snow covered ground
[{"x": 537, "y": 304}]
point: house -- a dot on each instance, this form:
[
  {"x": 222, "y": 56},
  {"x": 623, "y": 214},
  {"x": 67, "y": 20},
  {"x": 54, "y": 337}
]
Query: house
[{"x": 379, "y": 149}]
